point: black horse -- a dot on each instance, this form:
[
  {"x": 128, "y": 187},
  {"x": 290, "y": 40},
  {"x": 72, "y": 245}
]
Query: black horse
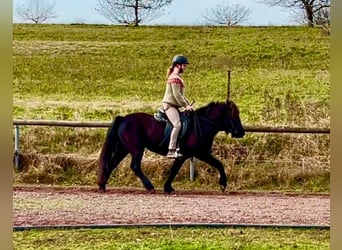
[{"x": 134, "y": 132}]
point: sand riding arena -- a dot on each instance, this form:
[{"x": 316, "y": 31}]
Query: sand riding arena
[{"x": 53, "y": 206}]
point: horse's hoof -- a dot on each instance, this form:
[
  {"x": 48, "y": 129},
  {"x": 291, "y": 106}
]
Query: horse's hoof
[
  {"x": 169, "y": 191},
  {"x": 223, "y": 188},
  {"x": 151, "y": 191},
  {"x": 102, "y": 188}
]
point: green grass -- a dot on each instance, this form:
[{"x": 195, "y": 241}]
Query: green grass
[
  {"x": 181, "y": 238},
  {"x": 117, "y": 64}
]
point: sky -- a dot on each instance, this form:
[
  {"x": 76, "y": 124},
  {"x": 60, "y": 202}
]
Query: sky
[{"x": 180, "y": 12}]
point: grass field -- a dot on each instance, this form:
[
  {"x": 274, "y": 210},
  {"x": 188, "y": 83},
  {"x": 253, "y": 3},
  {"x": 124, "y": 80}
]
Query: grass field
[
  {"x": 92, "y": 65},
  {"x": 180, "y": 238}
]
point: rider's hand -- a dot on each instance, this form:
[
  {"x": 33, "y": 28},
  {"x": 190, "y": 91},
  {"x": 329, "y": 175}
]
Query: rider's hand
[{"x": 189, "y": 107}]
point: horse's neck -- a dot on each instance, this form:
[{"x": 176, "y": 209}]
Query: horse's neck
[
  {"x": 206, "y": 125},
  {"x": 211, "y": 116}
]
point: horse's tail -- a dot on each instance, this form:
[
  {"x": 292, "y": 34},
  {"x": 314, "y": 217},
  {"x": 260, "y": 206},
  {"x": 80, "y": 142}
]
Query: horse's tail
[{"x": 108, "y": 150}]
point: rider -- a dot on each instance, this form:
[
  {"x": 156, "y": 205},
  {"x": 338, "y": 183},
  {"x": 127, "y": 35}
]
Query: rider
[{"x": 173, "y": 99}]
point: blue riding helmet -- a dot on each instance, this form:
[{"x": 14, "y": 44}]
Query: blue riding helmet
[{"x": 180, "y": 59}]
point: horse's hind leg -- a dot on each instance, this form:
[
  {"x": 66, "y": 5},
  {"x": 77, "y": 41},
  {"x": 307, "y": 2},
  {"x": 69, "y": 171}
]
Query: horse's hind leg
[
  {"x": 107, "y": 168},
  {"x": 136, "y": 167}
]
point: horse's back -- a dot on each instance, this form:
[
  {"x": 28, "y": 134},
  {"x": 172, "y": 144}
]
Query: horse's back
[
  {"x": 138, "y": 115},
  {"x": 140, "y": 127},
  {"x": 139, "y": 118}
]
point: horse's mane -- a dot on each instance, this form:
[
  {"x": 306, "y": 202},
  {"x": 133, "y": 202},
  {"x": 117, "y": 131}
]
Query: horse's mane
[
  {"x": 219, "y": 107},
  {"x": 204, "y": 109}
]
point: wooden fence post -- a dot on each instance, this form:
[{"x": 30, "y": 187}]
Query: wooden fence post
[
  {"x": 192, "y": 169},
  {"x": 16, "y": 147}
]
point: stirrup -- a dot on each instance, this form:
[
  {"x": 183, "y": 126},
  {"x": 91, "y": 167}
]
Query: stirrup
[{"x": 178, "y": 154}]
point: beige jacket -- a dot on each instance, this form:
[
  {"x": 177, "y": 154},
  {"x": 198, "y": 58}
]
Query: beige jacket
[{"x": 175, "y": 92}]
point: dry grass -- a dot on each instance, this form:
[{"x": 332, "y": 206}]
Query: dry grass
[{"x": 265, "y": 162}]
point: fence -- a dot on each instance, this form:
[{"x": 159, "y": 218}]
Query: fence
[{"x": 261, "y": 129}]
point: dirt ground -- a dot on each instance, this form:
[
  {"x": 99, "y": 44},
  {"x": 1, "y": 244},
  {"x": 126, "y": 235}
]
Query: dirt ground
[{"x": 42, "y": 206}]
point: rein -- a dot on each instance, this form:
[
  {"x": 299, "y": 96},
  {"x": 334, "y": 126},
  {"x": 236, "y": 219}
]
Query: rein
[
  {"x": 197, "y": 124},
  {"x": 207, "y": 120}
]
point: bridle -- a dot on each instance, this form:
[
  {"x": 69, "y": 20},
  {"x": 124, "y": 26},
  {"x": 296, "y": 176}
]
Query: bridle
[
  {"x": 218, "y": 125},
  {"x": 232, "y": 127}
]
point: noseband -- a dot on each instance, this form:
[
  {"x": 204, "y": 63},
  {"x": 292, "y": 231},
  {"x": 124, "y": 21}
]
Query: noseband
[
  {"x": 221, "y": 127},
  {"x": 232, "y": 127}
]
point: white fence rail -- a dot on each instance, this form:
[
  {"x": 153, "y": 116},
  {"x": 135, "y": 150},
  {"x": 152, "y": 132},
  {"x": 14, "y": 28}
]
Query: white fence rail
[{"x": 89, "y": 124}]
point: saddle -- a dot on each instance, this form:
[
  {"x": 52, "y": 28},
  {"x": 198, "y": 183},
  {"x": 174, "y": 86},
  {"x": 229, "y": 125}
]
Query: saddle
[{"x": 160, "y": 116}]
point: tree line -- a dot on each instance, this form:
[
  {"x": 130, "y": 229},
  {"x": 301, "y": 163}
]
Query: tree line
[{"x": 136, "y": 12}]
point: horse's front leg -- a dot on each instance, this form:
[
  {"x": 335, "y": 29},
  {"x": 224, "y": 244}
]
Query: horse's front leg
[
  {"x": 136, "y": 167},
  {"x": 212, "y": 161},
  {"x": 173, "y": 172}
]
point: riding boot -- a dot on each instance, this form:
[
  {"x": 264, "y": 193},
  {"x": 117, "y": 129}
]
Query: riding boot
[
  {"x": 171, "y": 153},
  {"x": 174, "y": 153}
]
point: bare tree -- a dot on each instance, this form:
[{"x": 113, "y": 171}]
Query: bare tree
[
  {"x": 310, "y": 7},
  {"x": 37, "y": 11},
  {"x": 224, "y": 14},
  {"x": 131, "y": 11},
  {"x": 322, "y": 17}
]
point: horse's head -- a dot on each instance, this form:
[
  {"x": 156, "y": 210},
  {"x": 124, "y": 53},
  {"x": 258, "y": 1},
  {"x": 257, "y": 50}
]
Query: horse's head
[
  {"x": 232, "y": 122},
  {"x": 223, "y": 116}
]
